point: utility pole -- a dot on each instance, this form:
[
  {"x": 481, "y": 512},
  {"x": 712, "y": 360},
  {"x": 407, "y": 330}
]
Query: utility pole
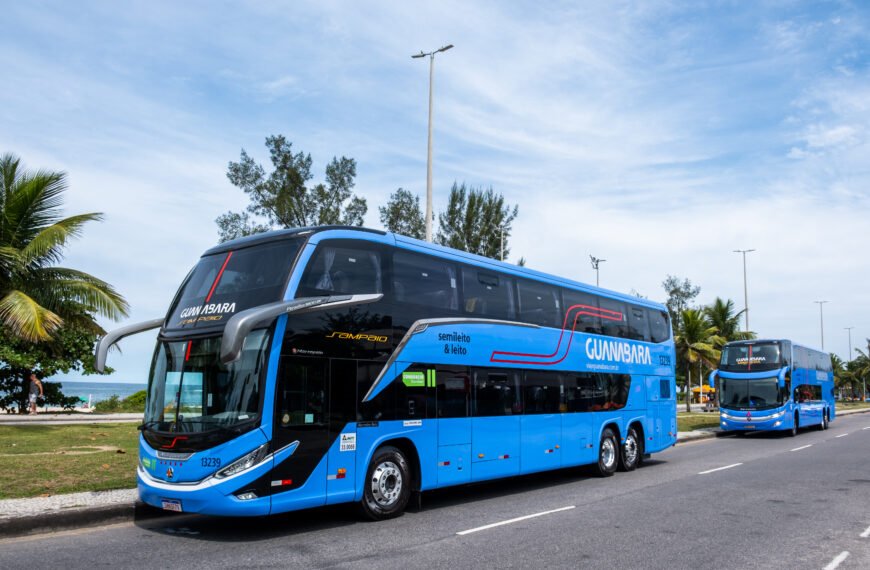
[
  {"x": 745, "y": 288},
  {"x": 595, "y": 261},
  {"x": 849, "y": 329},
  {"x": 431, "y": 55},
  {"x": 821, "y": 321}
]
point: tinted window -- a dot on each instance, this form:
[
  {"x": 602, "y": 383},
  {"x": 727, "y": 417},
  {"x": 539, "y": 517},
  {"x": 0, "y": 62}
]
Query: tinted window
[
  {"x": 539, "y": 304},
  {"x": 302, "y": 392},
  {"x": 665, "y": 389},
  {"x": 751, "y": 357},
  {"x": 336, "y": 269},
  {"x": 424, "y": 280},
  {"x": 659, "y": 325},
  {"x": 496, "y": 393},
  {"x": 582, "y": 309},
  {"x": 807, "y": 393},
  {"x": 638, "y": 325},
  {"x": 225, "y": 283},
  {"x": 488, "y": 294},
  {"x": 542, "y": 393},
  {"x": 613, "y": 317},
  {"x": 453, "y": 390}
]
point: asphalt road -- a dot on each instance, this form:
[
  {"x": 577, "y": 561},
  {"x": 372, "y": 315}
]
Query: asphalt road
[{"x": 763, "y": 501}]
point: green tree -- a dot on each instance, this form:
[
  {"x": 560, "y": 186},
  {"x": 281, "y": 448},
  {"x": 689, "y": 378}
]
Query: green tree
[
  {"x": 402, "y": 214},
  {"x": 282, "y": 199},
  {"x": 71, "y": 348},
  {"x": 476, "y": 221},
  {"x": 722, "y": 316},
  {"x": 36, "y": 297},
  {"x": 696, "y": 340},
  {"x": 681, "y": 293}
]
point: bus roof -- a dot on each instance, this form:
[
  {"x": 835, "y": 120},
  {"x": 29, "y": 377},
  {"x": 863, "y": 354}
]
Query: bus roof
[{"x": 318, "y": 233}]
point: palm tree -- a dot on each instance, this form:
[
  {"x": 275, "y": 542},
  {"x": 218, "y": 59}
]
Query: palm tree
[
  {"x": 696, "y": 341},
  {"x": 36, "y": 296},
  {"x": 722, "y": 316}
]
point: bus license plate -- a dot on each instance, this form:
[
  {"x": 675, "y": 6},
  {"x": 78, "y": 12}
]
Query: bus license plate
[
  {"x": 750, "y": 426},
  {"x": 172, "y": 505}
]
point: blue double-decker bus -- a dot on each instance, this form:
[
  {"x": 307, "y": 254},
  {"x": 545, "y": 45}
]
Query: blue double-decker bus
[
  {"x": 308, "y": 367},
  {"x": 774, "y": 385}
]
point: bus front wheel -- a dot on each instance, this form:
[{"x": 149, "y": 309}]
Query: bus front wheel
[
  {"x": 632, "y": 451},
  {"x": 387, "y": 485},
  {"x": 794, "y": 426},
  {"x": 608, "y": 453}
]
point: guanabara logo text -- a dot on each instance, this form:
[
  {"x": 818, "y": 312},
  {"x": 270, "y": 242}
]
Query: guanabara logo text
[
  {"x": 208, "y": 309},
  {"x": 617, "y": 351}
]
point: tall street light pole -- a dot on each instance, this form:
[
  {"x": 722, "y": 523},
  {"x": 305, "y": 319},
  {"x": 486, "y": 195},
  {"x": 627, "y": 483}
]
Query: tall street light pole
[
  {"x": 595, "y": 261},
  {"x": 745, "y": 288},
  {"x": 849, "y": 329},
  {"x": 431, "y": 55},
  {"x": 821, "y": 321}
]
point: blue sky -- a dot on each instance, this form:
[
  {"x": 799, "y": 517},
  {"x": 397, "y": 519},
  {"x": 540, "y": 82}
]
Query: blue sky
[{"x": 657, "y": 135}]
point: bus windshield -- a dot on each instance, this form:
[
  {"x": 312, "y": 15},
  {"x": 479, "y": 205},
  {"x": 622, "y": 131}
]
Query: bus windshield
[
  {"x": 225, "y": 283},
  {"x": 754, "y": 357},
  {"x": 750, "y": 394},
  {"x": 191, "y": 391}
]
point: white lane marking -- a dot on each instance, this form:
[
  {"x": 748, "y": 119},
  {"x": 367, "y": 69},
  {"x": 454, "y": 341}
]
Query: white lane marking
[
  {"x": 719, "y": 468},
  {"x": 838, "y": 560},
  {"x": 801, "y": 447},
  {"x": 511, "y": 521},
  {"x": 866, "y": 533},
  {"x": 868, "y": 427},
  {"x": 842, "y": 435}
]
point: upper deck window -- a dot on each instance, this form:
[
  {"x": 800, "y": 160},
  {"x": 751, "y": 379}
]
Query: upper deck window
[
  {"x": 223, "y": 284},
  {"x": 424, "y": 280},
  {"x": 338, "y": 269}
]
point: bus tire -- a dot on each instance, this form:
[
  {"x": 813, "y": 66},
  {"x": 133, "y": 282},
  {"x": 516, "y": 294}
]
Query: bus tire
[
  {"x": 608, "y": 453},
  {"x": 387, "y": 484},
  {"x": 824, "y": 425},
  {"x": 631, "y": 454},
  {"x": 794, "y": 426}
]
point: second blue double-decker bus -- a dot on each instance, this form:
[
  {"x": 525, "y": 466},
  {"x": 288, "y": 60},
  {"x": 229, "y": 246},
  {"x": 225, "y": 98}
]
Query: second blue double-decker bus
[
  {"x": 774, "y": 385},
  {"x": 308, "y": 367}
]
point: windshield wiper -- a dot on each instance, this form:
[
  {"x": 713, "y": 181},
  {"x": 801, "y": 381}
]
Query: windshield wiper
[{"x": 145, "y": 425}]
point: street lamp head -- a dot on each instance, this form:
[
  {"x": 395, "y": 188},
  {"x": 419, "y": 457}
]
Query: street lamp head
[
  {"x": 421, "y": 54},
  {"x": 445, "y": 48}
]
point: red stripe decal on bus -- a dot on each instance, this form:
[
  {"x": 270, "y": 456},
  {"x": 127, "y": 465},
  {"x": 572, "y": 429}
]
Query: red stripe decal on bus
[{"x": 218, "y": 278}]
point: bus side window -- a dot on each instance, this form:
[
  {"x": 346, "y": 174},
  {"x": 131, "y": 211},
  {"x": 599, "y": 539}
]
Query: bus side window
[
  {"x": 302, "y": 392},
  {"x": 582, "y": 309},
  {"x": 488, "y": 295},
  {"x": 344, "y": 270},
  {"x": 660, "y": 328},
  {"x": 542, "y": 392},
  {"x": 613, "y": 317},
  {"x": 638, "y": 326},
  {"x": 424, "y": 280},
  {"x": 539, "y": 304},
  {"x": 579, "y": 391},
  {"x": 495, "y": 393},
  {"x": 453, "y": 390}
]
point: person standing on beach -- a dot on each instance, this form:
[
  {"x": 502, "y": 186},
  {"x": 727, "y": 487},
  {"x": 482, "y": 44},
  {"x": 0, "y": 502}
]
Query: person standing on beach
[{"x": 35, "y": 390}]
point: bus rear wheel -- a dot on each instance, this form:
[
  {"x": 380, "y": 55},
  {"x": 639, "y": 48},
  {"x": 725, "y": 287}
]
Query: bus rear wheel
[
  {"x": 632, "y": 451},
  {"x": 608, "y": 453},
  {"x": 387, "y": 485},
  {"x": 824, "y": 425}
]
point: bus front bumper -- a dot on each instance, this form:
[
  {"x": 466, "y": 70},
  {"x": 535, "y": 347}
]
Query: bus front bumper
[{"x": 737, "y": 422}]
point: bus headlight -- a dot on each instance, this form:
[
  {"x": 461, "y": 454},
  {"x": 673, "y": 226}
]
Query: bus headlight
[{"x": 244, "y": 463}]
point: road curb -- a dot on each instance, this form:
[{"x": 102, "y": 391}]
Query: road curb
[{"x": 55, "y": 521}]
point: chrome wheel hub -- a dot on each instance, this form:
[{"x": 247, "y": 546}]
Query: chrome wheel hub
[
  {"x": 630, "y": 450},
  {"x": 608, "y": 453},
  {"x": 386, "y": 483}
]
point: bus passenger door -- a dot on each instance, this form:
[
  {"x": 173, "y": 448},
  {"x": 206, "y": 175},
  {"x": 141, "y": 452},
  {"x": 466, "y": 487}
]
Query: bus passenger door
[
  {"x": 661, "y": 428},
  {"x": 495, "y": 427},
  {"x": 541, "y": 424},
  {"x": 452, "y": 402},
  {"x": 342, "y": 459}
]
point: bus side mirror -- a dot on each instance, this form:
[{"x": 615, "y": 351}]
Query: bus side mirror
[
  {"x": 241, "y": 324},
  {"x": 711, "y": 380},
  {"x": 112, "y": 337}
]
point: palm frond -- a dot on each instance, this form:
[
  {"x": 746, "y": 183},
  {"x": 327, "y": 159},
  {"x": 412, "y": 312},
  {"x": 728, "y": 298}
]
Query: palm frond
[
  {"x": 34, "y": 203},
  {"x": 26, "y": 318},
  {"x": 45, "y": 247},
  {"x": 95, "y": 295}
]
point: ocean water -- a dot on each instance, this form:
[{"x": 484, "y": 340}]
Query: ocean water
[{"x": 98, "y": 391}]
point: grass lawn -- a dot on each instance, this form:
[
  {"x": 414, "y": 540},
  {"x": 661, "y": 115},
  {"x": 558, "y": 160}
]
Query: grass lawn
[
  {"x": 51, "y": 460},
  {"x": 688, "y": 421},
  {"x": 852, "y": 405}
]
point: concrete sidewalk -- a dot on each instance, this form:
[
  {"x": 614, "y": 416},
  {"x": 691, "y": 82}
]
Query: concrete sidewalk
[
  {"x": 20, "y": 517},
  {"x": 60, "y": 418}
]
